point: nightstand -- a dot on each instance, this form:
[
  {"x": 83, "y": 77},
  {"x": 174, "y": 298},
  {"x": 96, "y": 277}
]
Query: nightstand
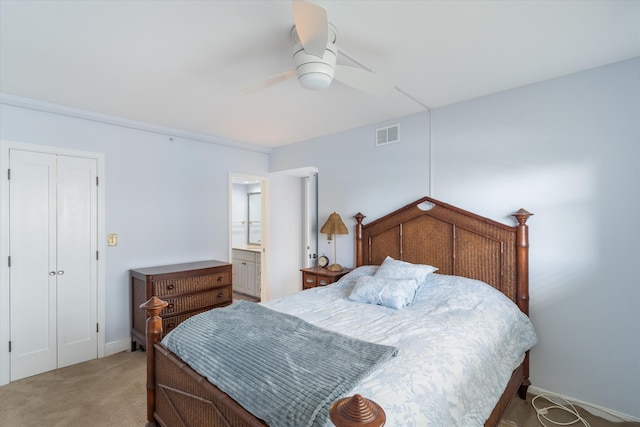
[{"x": 318, "y": 276}]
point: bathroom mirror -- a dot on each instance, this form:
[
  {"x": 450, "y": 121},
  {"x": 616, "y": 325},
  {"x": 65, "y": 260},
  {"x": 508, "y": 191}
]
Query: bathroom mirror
[{"x": 255, "y": 220}]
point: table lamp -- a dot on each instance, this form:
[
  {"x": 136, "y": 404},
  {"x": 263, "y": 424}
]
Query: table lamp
[{"x": 334, "y": 225}]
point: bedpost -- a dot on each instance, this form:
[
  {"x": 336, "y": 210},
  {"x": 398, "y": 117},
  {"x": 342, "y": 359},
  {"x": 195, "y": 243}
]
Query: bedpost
[
  {"x": 153, "y": 334},
  {"x": 522, "y": 283},
  {"x": 522, "y": 260},
  {"x": 359, "y": 217}
]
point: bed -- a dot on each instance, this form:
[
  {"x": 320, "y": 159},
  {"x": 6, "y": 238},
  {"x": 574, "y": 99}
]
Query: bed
[{"x": 475, "y": 257}]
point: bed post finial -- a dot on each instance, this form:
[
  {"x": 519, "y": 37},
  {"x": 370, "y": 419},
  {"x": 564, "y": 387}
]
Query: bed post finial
[
  {"x": 357, "y": 411},
  {"x": 359, "y": 218},
  {"x": 522, "y": 216},
  {"x": 154, "y": 334}
]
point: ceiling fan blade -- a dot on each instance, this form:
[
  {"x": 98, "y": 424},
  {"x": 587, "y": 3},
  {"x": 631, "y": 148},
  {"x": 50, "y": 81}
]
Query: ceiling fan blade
[
  {"x": 363, "y": 80},
  {"x": 269, "y": 82},
  {"x": 312, "y": 26}
]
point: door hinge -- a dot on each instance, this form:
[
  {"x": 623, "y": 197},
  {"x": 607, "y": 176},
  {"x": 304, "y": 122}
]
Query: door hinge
[
  {"x": 97, "y": 327},
  {"x": 97, "y": 255},
  {"x": 97, "y": 181},
  {"x": 9, "y": 261},
  {"x": 9, "y": 174},
  {"x": 9, "y": 346}
]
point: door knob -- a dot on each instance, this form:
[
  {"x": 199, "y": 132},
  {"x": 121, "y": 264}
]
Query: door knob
[
  {"x": 52, "y": 273},
  {"x": 61, "y": 272}
]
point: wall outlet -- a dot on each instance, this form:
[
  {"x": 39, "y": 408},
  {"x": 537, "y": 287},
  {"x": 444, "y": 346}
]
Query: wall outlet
[{"x": 112, "y": 240}]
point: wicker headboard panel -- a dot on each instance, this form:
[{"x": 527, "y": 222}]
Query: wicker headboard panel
[{"x": 453, "y": 240}]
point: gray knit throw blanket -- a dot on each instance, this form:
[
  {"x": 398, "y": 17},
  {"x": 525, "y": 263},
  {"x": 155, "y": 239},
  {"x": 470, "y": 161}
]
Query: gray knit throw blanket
[{"x": 280, "y": 368}]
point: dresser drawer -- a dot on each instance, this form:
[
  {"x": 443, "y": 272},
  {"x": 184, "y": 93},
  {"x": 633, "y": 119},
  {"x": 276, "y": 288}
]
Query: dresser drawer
[
  {"x": 309, "y": 280},
  {"x": 170, "y": 323},
  {"x": 197, "y": 300},
  {"x": 189, "y": 284},
  {"x": 324, "y": 281}
]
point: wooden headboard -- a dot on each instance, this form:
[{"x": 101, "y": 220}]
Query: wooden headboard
[{"x": 455, "y": 241}]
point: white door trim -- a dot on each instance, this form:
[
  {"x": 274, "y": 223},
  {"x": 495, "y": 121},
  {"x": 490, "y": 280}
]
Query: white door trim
[{"x": 5, "y": 146}]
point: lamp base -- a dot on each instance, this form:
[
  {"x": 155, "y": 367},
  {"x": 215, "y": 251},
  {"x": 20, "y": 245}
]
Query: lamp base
[{"x": 335, "y": 267}]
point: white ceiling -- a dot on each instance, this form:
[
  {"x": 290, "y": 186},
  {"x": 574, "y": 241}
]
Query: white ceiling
[{"x": 182, "y": 64}]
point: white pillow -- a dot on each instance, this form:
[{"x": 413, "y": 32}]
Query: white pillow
[
  {"x": 395, "y": 269},
  {"x": 392, "y": 293}
]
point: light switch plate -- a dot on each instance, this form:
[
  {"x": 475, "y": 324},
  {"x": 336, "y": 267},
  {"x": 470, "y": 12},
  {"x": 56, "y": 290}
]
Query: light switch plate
[{"x": 112, "y": 240}]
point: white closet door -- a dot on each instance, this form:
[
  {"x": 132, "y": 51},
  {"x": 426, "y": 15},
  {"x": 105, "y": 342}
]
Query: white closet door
[
  {"x": 32, "y": 237},
  {"x": 53, "y": 273},
  {"x": 76, "y": 260}
]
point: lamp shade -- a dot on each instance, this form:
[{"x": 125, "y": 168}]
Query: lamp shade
[{"x": 334, "y": 225}]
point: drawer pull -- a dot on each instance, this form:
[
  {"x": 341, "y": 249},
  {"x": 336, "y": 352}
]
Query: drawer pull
[
  {"x": 220, "y": 294},
  {"x": 171, "y": 325},
  {"x": 219, "y": 279},
  {"x": 170, "y": 287},
  {"x": 323, "y": 282},
  {"x": 170, "y": 306},
  {"x": 309, "y": 280}
]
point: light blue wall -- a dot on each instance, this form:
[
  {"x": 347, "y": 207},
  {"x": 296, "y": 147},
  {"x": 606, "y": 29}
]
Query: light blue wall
[
  {"x": 568, "y": 150},
  {"x": 356, "y": 176},
  {"x": 168, "y": 200}
]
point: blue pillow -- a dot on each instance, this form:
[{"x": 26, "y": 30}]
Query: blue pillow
[
  {"x": 364, "y": 270},
  {"x": 394, "y": 269},
  {"x": 392, "y": 293}
]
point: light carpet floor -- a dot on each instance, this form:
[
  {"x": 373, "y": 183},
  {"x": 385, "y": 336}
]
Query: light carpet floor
[
  {"x": 111, "y": 392},
  {"x": 103, "y": 392}
]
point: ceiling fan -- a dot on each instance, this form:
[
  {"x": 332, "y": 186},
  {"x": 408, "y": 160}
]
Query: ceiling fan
[{"x": 315, "y": 54}]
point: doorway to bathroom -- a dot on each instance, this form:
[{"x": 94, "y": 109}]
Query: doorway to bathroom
[{"x": 248, "y": 235}]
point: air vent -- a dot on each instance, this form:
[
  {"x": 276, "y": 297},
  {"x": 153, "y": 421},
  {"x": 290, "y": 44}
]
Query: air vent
[{"x": 387, "y": 135}]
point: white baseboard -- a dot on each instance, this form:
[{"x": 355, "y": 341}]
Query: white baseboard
[
  {"x": 599, "y": 411},
  {"x": 114, "y": 347}
]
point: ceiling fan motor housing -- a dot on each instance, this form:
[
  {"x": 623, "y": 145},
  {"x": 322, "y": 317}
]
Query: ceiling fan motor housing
[{"x": 315, "y": 73}]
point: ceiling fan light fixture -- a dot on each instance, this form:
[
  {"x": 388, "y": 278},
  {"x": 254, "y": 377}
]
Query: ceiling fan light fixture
[
  {"x": 315, "y": 73},
  {"x": 316, "y": 67},
  {"x": 315, "y": 80}
]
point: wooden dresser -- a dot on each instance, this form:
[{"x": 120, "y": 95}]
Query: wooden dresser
[{"x": 188, "y": 288}]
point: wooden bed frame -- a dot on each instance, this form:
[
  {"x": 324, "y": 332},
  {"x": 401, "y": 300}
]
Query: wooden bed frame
[{"x": 426, "y": 231}]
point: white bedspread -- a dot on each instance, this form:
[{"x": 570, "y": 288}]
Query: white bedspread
[{"x": 458, "y": 344}]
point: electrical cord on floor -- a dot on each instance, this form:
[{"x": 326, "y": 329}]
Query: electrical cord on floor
[
  {"x": 542, "y": 412},
  {"x": 567, "y": 406}
]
